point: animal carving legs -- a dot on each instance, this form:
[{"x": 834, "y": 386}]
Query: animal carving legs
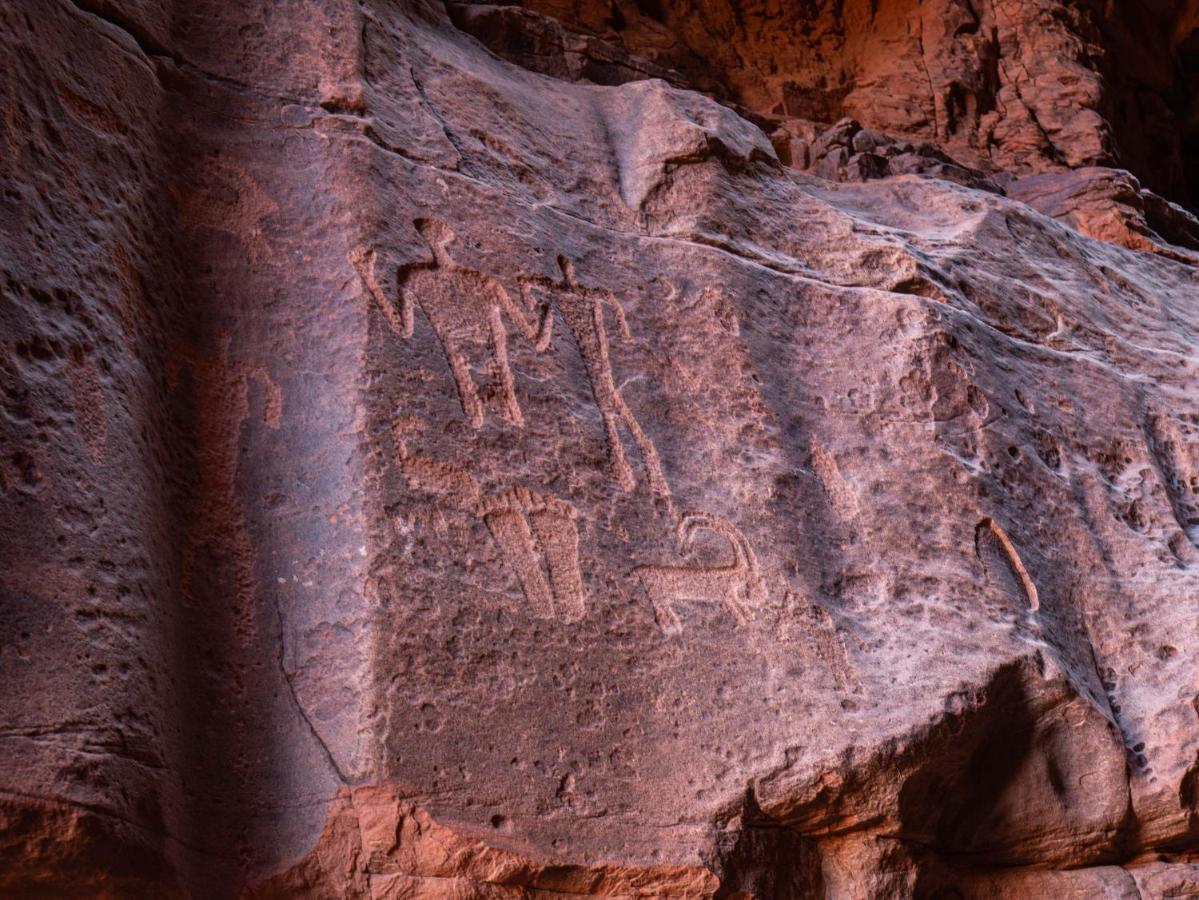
[
  {"x": 736, "y": 585},
  {"x": 667, "y": 585}
]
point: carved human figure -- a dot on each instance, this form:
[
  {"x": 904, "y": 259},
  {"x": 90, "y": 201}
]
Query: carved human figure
[
  {"x": 582, "y": 308},
  {"x": 738, "y": 585},
  {"x": 466, "y": 308}
]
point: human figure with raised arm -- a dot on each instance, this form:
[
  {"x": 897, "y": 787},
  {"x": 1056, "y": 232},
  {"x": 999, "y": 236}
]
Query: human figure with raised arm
[
  {"x": 583, "y": 308},
  {"x": 466, "y": 308}
]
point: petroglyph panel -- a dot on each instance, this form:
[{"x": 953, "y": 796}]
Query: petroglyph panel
[{"x": 589, "y": 305}]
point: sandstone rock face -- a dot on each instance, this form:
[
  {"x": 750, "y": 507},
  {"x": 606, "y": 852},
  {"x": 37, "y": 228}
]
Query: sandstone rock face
[
  {"x": 1019, "y": 85},
  {"x": 453, "y": 452},
  {"x": 1110, "y": 205}
]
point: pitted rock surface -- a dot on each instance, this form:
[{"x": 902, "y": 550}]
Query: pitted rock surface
[{"x": 438, "y": 472}]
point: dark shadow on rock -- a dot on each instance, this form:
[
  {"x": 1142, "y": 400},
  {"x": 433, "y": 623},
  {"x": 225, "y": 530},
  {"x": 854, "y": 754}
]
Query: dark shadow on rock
[{"x": 756, "y": 857}]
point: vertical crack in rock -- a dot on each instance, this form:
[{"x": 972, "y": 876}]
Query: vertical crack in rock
[{"x": 299, "y": 707}]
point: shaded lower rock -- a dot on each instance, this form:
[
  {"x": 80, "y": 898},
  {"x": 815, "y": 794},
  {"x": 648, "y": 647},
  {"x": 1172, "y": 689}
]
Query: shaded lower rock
[
  {"x": 378, "y": 844},
  {"x": 1021, "y": 788},
  {"x": 53, "y": 849}
]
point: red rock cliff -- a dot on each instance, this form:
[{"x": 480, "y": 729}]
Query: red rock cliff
[{"x": 662, "y": 449}]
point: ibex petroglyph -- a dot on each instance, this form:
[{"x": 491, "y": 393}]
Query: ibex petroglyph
[{"x": 739, "y": 585}]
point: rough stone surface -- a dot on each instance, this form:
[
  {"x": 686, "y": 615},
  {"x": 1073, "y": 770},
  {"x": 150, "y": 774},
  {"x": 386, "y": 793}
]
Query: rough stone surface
[
  {"x": 443, "y": 454},
  {"x": 1021, "y": 85},
  {"x": 845, "y": 151},
  {"x": 1111, "y": 205}
]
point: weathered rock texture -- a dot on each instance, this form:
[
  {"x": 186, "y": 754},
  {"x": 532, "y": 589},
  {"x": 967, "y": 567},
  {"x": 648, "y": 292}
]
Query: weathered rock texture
[
  {"x": 435, "y": 473},
  {"x": 1019, "y": 85}
]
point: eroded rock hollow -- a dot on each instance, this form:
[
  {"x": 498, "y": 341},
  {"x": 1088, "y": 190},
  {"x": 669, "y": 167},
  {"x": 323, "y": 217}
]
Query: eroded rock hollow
[{"x": 671, "y": 448}]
